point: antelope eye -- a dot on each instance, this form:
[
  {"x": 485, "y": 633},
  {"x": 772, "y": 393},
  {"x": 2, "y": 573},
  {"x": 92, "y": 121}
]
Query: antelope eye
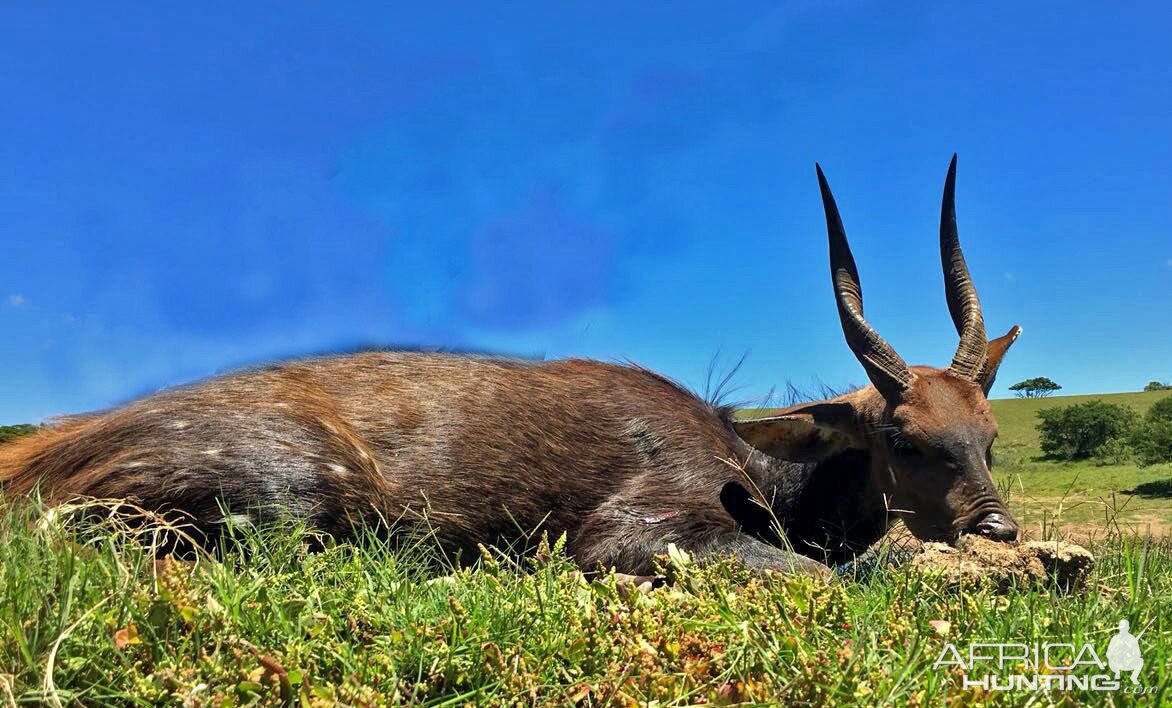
[{"x": 904, "y": 449}]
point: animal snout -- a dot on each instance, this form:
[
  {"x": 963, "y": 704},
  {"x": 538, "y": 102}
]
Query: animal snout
[{"x": 996, "y": 526}]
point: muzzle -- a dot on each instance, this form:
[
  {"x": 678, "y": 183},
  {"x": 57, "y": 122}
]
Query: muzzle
[{"x": 995, "y": 526}]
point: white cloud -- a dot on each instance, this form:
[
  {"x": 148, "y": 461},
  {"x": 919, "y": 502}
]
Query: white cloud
[{"x": 16, "y": 300}]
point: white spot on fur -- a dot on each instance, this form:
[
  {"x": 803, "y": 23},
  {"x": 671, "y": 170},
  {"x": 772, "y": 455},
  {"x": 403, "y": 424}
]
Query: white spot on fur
[
  {"x": 337, "y": 469},
  {"x": 132, "y": 465},
  {"x": 178, "y": 425},
  {"x": 213, "y": 451}
]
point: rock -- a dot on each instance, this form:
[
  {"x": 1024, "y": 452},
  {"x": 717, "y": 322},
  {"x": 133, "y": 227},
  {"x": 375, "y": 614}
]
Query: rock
[{"x": 977, "y": 560}]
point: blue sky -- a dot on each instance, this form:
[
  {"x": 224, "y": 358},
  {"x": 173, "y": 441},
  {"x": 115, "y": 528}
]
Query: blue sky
[{"x": 188, "y": 190}]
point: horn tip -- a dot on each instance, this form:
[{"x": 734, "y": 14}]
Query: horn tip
[
  {"x": 823, "y": 185},
  {"x": 950, "y": 180}
]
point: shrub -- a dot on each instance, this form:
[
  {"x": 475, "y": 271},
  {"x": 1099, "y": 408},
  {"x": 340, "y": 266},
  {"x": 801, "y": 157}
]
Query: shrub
[
  {"x": 1152, "y": 439},
  {"x": 11, "y": 432},
  {"x": 1158, "y": 386},
  {"x": 1115, "y": 451},
  {"x": 1085, "y": 430},
  {"x": 1161, "y": 409}
]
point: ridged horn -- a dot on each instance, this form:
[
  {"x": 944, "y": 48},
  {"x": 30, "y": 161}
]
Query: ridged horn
[
  {"x": 972, "y": 352},
  {"x": 884, "y": 367}
]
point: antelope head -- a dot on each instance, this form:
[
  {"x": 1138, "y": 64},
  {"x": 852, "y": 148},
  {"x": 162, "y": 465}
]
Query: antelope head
[{"x": 928, "y": 431}]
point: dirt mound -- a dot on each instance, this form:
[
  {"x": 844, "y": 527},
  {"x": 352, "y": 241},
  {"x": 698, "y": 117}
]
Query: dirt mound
[
  {"x": 976, "y": 560},
  {"x": 1068, "y": 564}
]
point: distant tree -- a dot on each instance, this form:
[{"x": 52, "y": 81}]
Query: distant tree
[
  {"x": 1085, "y": 430},
  {"x": 1038, "y": 387},
  {"x": 1152, "y": 439},
  {"x": 11, "y": 432},
  {"x": 1158, "y": 386}
]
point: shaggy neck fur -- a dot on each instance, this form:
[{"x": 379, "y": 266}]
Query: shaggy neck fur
[{"x": 830, "y": 510}]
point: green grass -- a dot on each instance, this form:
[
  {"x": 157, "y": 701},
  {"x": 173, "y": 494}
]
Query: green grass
[{"x": 100, "y": 622}]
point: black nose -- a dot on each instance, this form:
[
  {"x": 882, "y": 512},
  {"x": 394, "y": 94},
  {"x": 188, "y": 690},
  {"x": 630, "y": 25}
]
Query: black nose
[{"x": 998, "y": 527}]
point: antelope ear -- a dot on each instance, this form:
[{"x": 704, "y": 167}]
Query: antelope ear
[
  {"x": 804, "y": 433},
  {"x": 997, "y": 349}
]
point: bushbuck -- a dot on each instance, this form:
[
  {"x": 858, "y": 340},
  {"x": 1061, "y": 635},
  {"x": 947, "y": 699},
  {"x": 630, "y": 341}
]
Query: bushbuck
[{"x": 623, "y": 461}]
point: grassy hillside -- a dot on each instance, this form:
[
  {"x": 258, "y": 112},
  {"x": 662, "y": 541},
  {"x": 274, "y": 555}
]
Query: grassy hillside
[
  {"x": 1018, "y": 417},
  {"x": 1081, "y": 497}
]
